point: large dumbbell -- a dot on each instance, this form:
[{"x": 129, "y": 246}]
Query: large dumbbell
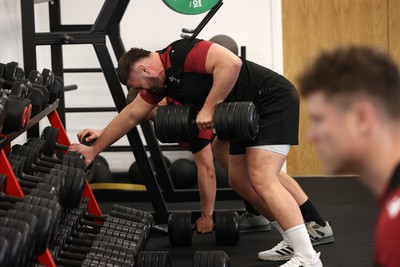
[
  {"x": 210, "y": 259},
  {"x": 180, "y": 228},
  {"x": 234, "y": 121}
]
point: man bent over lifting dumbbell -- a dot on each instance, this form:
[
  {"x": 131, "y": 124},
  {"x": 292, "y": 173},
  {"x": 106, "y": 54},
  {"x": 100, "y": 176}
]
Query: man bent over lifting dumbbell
[
  {"x": 204, "y": 74},
  {"x": 203, "y": 157}
]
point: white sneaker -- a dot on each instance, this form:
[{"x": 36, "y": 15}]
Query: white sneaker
[
  {"x": 320, "y": 234},
  {"x": 298, "y": 261},
  {"x": 281, "y": 252},
  {"x": 250, "y": 221}
]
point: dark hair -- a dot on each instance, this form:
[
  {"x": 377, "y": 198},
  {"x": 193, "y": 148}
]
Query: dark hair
[
  {"x": 355, "y": 70},
  {"x": 127, "y": 60}
]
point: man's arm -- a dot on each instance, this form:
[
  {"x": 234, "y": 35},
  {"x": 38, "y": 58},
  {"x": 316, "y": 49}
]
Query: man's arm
[
  {"x": 225, "y": 68},
  {"x": 128, "y": 118}
]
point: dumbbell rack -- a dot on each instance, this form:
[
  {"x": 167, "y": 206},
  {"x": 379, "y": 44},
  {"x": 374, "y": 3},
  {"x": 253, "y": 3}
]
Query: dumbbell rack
[{"x": 13, "y": 188}]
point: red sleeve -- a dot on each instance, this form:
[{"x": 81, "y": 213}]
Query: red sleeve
[
  {"x": 196, "y": 59},
  {"x": 151, "y": 98},
  {"x": 206, "y": 134}
]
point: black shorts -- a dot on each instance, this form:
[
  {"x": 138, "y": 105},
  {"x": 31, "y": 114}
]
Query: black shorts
[
  {"x": 198, "y": 144},
  {"x": 278, "y": 108}
]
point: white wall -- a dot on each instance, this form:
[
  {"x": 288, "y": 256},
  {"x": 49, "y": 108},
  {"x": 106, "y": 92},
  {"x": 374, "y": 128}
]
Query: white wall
[{"x": 149, "y": 24}]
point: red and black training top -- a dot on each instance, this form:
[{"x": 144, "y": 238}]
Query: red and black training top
[{"x": 387, "y": 232}]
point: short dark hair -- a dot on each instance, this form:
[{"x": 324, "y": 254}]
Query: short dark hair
[
  {"x": 127, "y": 60},
  {"x": 355, "y": 70}
]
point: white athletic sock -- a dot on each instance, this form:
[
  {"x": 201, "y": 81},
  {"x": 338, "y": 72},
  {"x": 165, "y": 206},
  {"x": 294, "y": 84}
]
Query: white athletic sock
[
  {"x": 300, "y": 242},
  {"x": 279, "y": 228}
]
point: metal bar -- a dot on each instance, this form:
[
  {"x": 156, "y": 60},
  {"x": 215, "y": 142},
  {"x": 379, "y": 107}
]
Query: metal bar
[
  {"x": 163, "y": 176},
  {"x": 84, "y": 70},
  {"x": 28, "y": 35},
  {"x": 206, "y": 19},
  {"x": 60, "y": 38},
  {"x": 94, "y": 109}
]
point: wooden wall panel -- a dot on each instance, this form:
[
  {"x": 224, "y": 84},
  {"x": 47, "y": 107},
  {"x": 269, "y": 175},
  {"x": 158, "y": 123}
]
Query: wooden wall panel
[
  {"x": 310, "y": 26},
  {"x": 394, "y": 29}
]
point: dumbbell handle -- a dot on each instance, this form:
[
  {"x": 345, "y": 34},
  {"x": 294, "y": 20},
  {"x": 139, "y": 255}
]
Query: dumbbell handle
[
  {"x": 66, "y": 262},
  {"x": 9, "y": 198}
]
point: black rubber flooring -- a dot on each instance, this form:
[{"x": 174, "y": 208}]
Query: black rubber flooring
[{"x": 341, "y": 200}]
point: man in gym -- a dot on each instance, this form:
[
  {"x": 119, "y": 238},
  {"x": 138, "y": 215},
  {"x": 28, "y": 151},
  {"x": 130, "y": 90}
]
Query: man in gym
[
  {"x": 205, "y": 74},
  {"x": 202, "y": 155},
  {"x": 352, "y": 97}
]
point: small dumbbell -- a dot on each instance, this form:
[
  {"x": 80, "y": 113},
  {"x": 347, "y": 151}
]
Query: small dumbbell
[
  {"x": 180, "y": 228},
  {"x": 100, "y": 248}
]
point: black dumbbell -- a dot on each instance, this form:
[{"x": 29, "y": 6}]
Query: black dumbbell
[
  {"x": 15, "y": 245},
  {"x": 13, "y": 71},
  {"x": 124, "y": 253},
  {"x": 53, "y": 83},
  {"x": 4, "y": 255},
  {"x": 92, "y": 260},
  {"x": 27, "y": 240},
  {"x": 18, "y": 112},
  {"x": 50, "y": 134},
  {"x": 146, "y": 258},
  {"x": 41, "y": 190},
  {"x": 144, "y": 216},
  {"x": 54, "y": 180},
  {"x": 74, "y": 180},
  {"x": 36, "y": 206},
  {"x": 210, "y": 259},
  {"x": 71, "y": 159},
  {"x": 180, "y": 228}
]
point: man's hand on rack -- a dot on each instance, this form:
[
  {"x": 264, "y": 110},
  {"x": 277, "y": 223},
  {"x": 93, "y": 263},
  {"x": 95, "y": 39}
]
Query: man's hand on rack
[{"x": 86, "y": 151}]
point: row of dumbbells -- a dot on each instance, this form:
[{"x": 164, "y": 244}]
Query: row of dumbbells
[
  {"x": 26, "y": 225},
  {"x": 35, "y": 166},
  {"x": 24, "y": 96},
  {"x": 118, "y": 239},
  {"x": 113, "y": 240}
]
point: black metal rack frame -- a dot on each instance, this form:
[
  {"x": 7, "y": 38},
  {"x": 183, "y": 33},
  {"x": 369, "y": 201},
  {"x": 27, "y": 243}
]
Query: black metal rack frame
[{"x": 106, "y": 24}]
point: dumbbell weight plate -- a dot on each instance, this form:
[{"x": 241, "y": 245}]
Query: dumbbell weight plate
[
  {"x": 35, "y": 77},
  {"x": 180, "y": 231},
  {"x": 17, "y": 114},
  {"x": 153, "y": 259},
  {"x": 11, "y": 71},
  {"x": 48, "y": 78},
  {"x": 227, "y": 228},
  {"x": 4, "y": 256},
  {"x": 210, "y": 259},
  {"x": 252, "y": 119},
  {"x": 189, "y": 123},
  {"x": 221, "y": 121},
  {"x": 190, "y": 7},
  {"x": 49, "y": 134}
]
